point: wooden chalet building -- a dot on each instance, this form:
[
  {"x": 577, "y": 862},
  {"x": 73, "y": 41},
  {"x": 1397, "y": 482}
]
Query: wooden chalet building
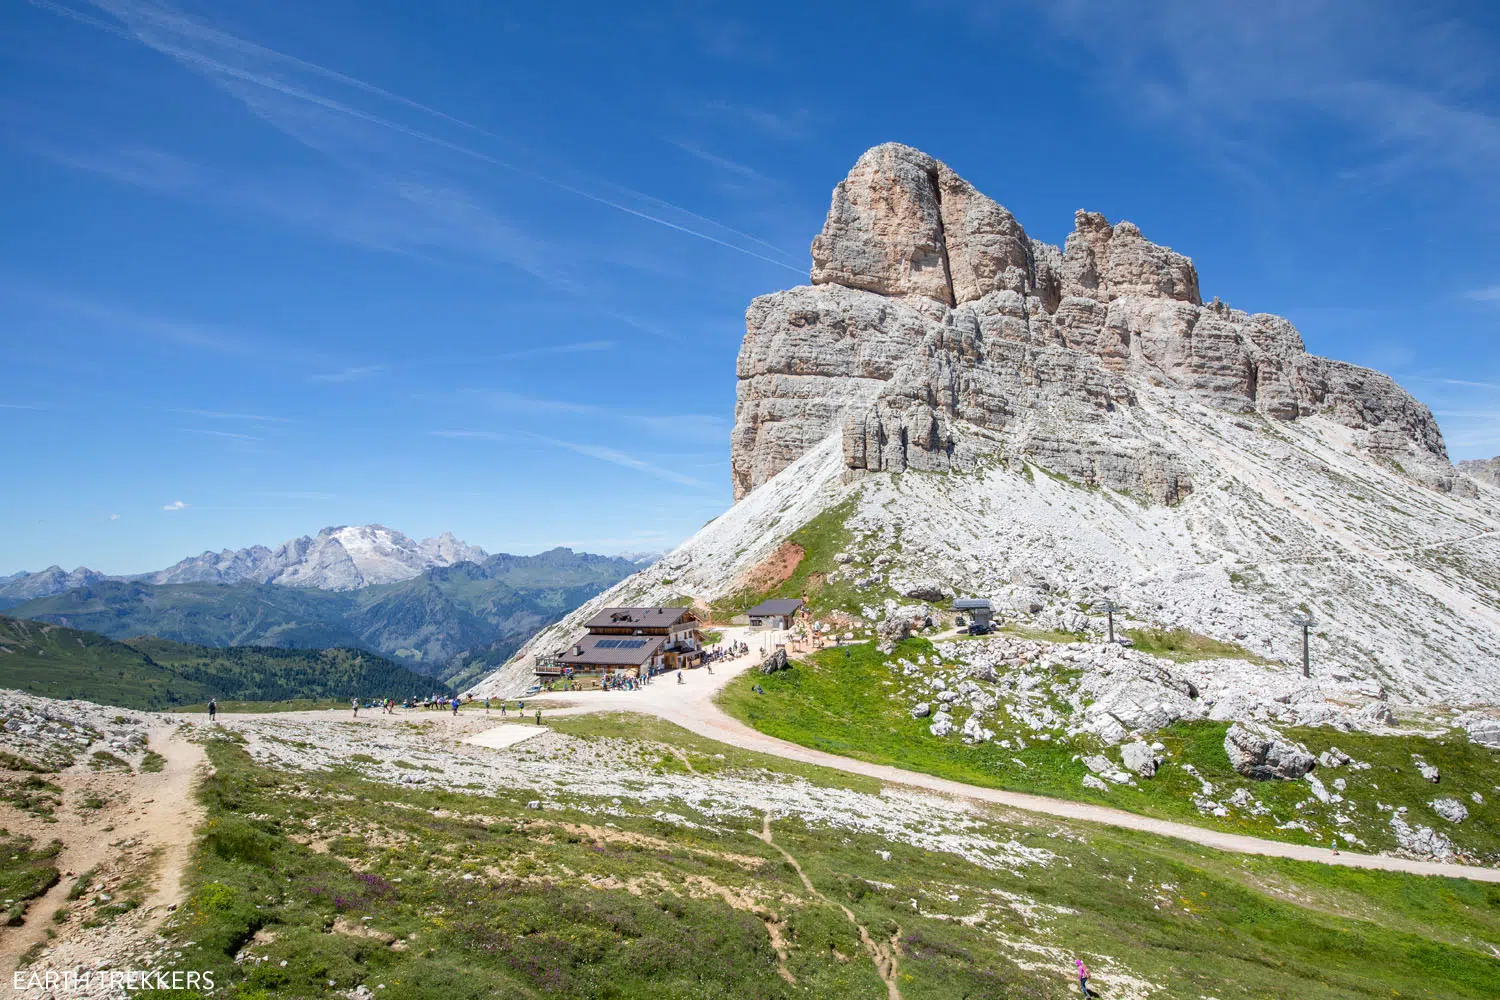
[{"x": 635, "y": 642}]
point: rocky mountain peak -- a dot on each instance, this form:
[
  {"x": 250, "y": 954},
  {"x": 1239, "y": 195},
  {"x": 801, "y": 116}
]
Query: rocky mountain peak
[
  {"x": 936, "y": 333},
  {"x": 1486, "y": 470}
]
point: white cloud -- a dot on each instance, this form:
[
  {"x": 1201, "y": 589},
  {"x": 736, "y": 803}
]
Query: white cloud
[
  {"x": 231, "y": 435},
  {"x": 354, "y": 374},
  {"x": 604, "y": 454},
  {"x": 114, "y": 517},
  {"x": 1400, "y": 87},
  {"x": 1490, "y": 294},
  {"x": 219, "y": 415},
  {"x": 175, "y": 505},
  {"x": 297, "y": 97}
]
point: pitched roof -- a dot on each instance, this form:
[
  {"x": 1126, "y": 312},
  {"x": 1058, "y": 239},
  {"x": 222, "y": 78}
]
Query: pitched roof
[
  {"x": 776, "y": 606},
  {"x": 638, "y": 617},
  {"x": 611, "y": 650}
]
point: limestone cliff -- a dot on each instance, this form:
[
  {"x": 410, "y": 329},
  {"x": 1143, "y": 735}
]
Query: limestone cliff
[
  {"x": 1486, "y": 470},
  {"x": 936, "y": 333}
]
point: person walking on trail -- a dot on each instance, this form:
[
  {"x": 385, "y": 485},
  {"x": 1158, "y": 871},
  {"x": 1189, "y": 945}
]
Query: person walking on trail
[
  {"x": 1083, "y": 977},
  {"x": 679, "y": 675},
  {"x": 539, "y": 716},
  {"x": 486, "y": 704},
  {"x": 354, "y": 703},
  {"x": 213, "y": 709},
  {"x": 456, "y": 703}
]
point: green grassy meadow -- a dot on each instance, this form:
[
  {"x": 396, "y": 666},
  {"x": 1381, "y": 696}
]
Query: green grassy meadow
[
  {"x": 837, "y": 700},
  {"x": 315, "y": 883}
]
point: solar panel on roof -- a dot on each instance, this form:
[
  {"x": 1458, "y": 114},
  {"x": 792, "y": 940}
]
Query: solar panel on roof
[{"x": 632, "y": 643}]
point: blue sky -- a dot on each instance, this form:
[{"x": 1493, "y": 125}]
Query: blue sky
[{"x": 266, "y": 267}]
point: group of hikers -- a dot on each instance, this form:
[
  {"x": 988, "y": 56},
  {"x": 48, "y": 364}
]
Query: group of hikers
[{"x": 388, "y": 706}]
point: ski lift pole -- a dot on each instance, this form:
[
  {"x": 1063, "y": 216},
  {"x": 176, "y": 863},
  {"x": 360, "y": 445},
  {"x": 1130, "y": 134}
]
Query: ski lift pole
[{"x": 1306, "y": 622}]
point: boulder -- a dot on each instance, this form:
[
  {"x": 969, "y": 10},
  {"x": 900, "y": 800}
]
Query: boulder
[
  {"x": 1426, "y": 770},
  {"x": 1451, "y": 810},
  {"x": 1263, "y": 754},
  {"x": 1140, "y": 758},
  {"x": 1485, "y": 732},
  {"x": 925, "y": 590},
  {"x": 1333, "y": 757},
  {"x": 942, "y": 724},
  {"x": 899, "y": 623},
  {"x": 920, "y": 710},
  {"x": 1105, "y": 768},
  {"x": 776, "y": 661},
  {"x": 974, "y": 731}
]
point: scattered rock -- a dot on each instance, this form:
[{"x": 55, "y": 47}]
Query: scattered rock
[
  {"x": 1422, "y": 841},
  {"x": 1428, "y": 772},
  {"x": 921, "y": 710},
  {"x": 942, "y": 724}
]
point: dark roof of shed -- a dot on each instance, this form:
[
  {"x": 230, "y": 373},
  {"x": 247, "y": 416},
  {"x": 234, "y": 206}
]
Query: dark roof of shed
[
  {"x": 776, "y": 606},
  {"x": 637, "y": 618},
  {"x": 609, "y": 655}
]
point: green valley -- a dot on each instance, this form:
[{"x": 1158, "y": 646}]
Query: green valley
[{"x": 152, "y": 673}]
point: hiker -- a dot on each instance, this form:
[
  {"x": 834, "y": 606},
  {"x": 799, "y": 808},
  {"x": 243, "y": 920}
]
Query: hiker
[
  {"x": 539, "y": 716},
  {"x": 1083, "y": 977},
  {"x": 456, "y": 703},
  {"x": 213, "y": 709},
  {"x": 354, "y": 703},
  {"x": 502, "y": 708},
  {"x": 486, "y": 704},
  {"x": 679, "y": 675}
]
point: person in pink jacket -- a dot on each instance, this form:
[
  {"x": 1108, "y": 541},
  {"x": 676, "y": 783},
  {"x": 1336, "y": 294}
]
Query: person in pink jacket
[{"x": 1083, "y": 976}]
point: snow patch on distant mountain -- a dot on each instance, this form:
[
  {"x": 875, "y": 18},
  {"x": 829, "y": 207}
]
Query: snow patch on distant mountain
[{"x": 337, "y": 558}]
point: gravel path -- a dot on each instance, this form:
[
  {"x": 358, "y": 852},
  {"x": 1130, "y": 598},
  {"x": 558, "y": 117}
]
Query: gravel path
[
  {"x": 691, "y": 706},
  {"x": 147, "y": 813}
]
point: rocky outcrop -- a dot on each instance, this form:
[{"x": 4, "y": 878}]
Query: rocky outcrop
[
  {"x": 1263, "y": 754},
  {"x": 936, "y": 333}
]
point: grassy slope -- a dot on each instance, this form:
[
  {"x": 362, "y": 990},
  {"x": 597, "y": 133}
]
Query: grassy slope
[
  {"x": 838, "y": 701},
  {"x": 821, "y": 539},
  {"x": 150, "y": 673},
  {"x": 26, "y": 872},
  {"x": 544, "y": 911},
  {"x": 58, "y": 662}
]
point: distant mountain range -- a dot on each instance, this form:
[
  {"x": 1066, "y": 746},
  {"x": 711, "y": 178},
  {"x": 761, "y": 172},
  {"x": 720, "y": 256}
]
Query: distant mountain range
[
  {"x": 57, "y": 662},
  {"x": 337, "y": 558},
  {"x": 441, "y": 606}
]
